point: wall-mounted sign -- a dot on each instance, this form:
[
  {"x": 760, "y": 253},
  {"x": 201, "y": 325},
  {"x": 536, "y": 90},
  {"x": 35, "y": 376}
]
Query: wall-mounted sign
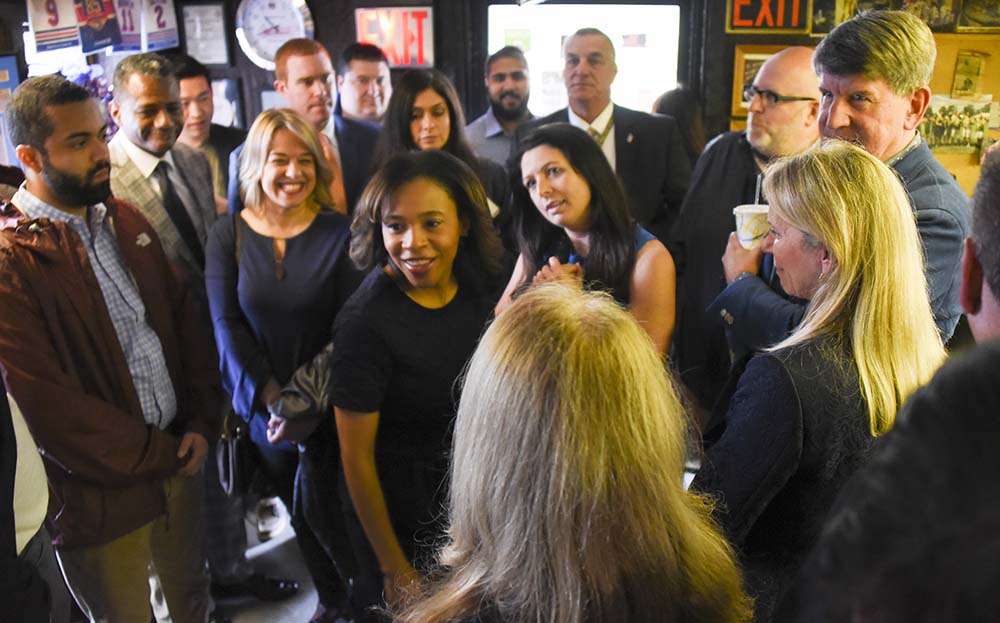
[
  {"x": 98, "y": 24},
  {"x": 767, "y": 16},
  {"x": 53, "y": 23},
  {"x": 405, "y": 34},
  {"x": 130, "y": 21},
  {"x": 159, "y": 25}
]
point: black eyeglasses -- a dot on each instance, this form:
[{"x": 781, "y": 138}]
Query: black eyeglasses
[{"x": 770, "y": 97}]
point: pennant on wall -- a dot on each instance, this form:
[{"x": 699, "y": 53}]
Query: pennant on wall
[
  {"x": 54, "y": 24},
  {"x": 98, "y": 24},
  {"x": 159, "y": 25},
  {"x": 130, "y": 22}
]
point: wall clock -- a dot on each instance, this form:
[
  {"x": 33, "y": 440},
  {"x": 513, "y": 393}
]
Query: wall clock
[{"x": 263, "y": 25}]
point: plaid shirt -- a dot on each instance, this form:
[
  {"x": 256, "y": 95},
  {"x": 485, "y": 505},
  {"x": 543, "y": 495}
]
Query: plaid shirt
[{"x": 139, "y": 343}]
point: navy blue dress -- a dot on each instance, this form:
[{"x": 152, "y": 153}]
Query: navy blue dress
[{"x": 266, "y": 325}]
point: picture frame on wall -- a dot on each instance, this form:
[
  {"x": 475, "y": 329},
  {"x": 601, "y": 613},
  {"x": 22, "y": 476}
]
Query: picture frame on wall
[
  {"x": 823, "y": 19},
  {"x": 940, "y": 15},
  {"x": 979, "y": 16},
  {"x": 205, "y": 33},
  {"x": 747, "y": 60},
  {"x": 228, "y": 105}
]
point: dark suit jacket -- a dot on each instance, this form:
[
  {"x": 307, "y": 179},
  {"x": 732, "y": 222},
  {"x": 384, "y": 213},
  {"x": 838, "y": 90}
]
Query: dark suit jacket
[
  {"x": 650, "y": 162},
  {"x": 356, "y": 142},
  {"x": 225, "y": 140}
]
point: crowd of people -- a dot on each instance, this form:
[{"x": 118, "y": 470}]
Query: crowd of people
[{"x": 471, "y": 359}]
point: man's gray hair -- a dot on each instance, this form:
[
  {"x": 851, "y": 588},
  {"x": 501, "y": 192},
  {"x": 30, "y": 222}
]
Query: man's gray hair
[{"x": 147, "y": 64}]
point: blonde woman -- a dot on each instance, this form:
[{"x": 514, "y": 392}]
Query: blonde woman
[
  {"x": 807, "y": 411},
  {"x": 566, "y": 504},
  {"x": 277, "y": 273}
]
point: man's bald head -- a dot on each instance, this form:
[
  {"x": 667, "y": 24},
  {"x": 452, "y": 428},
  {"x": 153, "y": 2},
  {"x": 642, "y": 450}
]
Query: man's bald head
[{"x": 785, "y": 128}]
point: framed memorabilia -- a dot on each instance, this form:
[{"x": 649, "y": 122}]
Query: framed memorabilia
[
  {"x": 956, "y": 126},
  {"x": 979, "y": 16},
  {"x": 747, "y": 62},
  {"x": 824, "y": 16},
  {"x": 228, "y": 109},
  {"x": 940, "y": 15},
  {"x": 205, "y": 33}
]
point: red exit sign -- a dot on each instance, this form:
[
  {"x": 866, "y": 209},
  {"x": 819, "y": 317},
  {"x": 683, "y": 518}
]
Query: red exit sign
[
  {"x": 767, "y": 16},
  {"x": 405, "y": 34}
]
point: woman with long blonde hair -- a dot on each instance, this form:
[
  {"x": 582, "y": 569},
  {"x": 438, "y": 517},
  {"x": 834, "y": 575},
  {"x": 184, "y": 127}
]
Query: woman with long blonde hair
[
  {"x": 806, "y": 412},
  {"x": 566, "y": 502}
]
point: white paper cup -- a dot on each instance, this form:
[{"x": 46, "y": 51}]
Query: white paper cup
[{"x": 751, "y": 224}]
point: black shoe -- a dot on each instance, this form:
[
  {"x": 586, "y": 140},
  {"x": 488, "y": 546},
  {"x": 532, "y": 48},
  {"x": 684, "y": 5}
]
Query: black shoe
[{"x": 259, "y": 586}]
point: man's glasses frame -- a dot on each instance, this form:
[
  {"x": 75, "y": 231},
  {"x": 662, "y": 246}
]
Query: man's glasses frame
[{"x": 771, "y": 98}]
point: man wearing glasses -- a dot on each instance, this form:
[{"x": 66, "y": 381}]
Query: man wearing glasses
[
  {"x": 782, "y": 120},
  {"x": 874, "y": 70}
]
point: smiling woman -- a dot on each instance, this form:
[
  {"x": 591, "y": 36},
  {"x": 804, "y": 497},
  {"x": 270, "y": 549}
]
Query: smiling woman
[
  {"x": 423, "y": 230},
  {"x": 277, "y": 273}
]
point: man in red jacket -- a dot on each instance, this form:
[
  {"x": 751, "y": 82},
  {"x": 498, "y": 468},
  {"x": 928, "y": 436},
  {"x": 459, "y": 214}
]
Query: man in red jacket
[{"x": 105, "y": 354}]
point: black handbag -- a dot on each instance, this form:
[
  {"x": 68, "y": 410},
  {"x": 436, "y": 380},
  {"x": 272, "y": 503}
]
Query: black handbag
[{"x": 234, "y": 456}]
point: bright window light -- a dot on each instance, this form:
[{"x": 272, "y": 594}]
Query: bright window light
[{"x": 645, "y": 38}]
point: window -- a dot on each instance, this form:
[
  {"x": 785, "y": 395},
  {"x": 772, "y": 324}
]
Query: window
[{"x": 645, "y": 39}]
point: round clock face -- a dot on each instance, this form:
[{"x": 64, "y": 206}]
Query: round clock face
[{"x": 263, "y": 25}]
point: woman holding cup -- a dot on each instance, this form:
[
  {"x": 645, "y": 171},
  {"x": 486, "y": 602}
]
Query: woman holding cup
[{"x": 806, "y": 411}]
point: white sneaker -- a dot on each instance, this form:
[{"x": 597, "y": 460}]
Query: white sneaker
[{"x": 272, "y": 518}]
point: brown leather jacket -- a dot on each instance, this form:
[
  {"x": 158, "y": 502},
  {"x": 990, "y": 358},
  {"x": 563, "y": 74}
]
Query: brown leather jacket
[{"x": 63, "y": 364}]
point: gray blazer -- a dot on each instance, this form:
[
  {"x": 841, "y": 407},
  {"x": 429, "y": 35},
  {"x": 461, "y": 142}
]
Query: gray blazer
[{"x": 128, "y": 183}]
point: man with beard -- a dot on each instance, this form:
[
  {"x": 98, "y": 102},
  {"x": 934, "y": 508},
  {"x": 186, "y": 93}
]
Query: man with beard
[
  {"x": 782, "y": 120},
  {"x": 110, "y": 362},
  {"x": 169, "y": 183},
  {"x": 492, "y": 135}
]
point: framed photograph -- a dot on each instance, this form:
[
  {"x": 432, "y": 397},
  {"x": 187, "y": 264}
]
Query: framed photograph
[
  {"x": 956, "y": 126},
  {"x": 940, "y": 15},
  {"x": 226, "y": 100},
  {"x": 746, "y": 63},
  {"x": 979, "y": 16},
  {"x": 824, "y": 17},
  {"x": 205, "y": 33}
]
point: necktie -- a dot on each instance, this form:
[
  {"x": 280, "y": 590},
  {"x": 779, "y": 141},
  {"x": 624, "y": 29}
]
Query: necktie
[
  {"x": 602, "y": 136},
  {"x": 178, "y": 215},
  {"x": 337, "y": 192}
]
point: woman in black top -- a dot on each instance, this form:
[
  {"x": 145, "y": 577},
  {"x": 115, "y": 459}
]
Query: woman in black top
[{"x": 423, "y": 229}]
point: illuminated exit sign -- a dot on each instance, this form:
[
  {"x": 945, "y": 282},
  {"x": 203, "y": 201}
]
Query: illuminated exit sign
[
  {"x": 767, "y": 16},
  {"x": 405, "y": 34}
]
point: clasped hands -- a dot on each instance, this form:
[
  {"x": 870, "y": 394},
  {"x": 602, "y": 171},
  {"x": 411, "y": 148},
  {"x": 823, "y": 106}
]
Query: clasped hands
[{"x": 556, "y": 271}]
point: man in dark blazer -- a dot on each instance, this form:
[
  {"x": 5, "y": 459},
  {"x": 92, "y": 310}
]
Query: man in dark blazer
[
  {"x": 646, "y": 151},
  {"x": 301, "y": 65}
]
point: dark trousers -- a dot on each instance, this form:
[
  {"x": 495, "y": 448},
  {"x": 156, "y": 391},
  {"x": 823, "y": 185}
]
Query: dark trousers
[{"x": 306, "y": 482}]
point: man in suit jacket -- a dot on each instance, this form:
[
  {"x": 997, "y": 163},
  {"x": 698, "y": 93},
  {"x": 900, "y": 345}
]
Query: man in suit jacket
[
  {"x": 305, "y": 79},
  {"x": 215, "y": 141},
  {"x": 645, "y": 151},
  {"x": 148, "y": 111}
]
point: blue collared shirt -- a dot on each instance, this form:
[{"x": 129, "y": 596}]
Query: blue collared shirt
[
  {"x": 488, "y": 140},
  {"x": 139, "y": 343}
]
